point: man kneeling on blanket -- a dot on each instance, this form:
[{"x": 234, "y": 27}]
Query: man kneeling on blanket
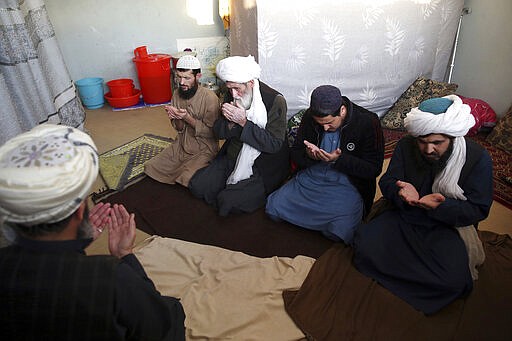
[
  {"x": 339, "y": 151},
  {"x": 254, "y": 159},
  {"x": 425, "y": 249},
  {"x": 50, "y": 290}
]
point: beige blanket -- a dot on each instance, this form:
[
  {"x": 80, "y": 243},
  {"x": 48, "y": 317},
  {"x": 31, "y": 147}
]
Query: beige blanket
[{"x": 226, "y": 295}]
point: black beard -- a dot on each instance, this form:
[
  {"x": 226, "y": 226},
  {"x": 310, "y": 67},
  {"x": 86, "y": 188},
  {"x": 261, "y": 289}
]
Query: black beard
[
  {"x": 188, "y": 94},
  {"x": 435, "y": 166}
]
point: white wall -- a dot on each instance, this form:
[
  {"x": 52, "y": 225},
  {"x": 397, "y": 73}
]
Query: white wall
[
  {"x": 371, "y": 50},
  {"x": 97, "y": 37},
  {"x": 483, "y": 64}
]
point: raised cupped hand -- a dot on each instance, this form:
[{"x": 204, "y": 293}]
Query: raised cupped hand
[
  {"x": 408, "y": 193},
  {"x": 121, "y": 231},
  {"x": 99, "y": 216},
  {"x": 234, "y": 113}
]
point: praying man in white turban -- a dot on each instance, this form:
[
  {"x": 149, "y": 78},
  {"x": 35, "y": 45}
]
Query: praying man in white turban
[
  {"x": 254, "y": 159},
  {"x": 50, "y": 289},
  {"x": 425, "y": 248},
  {"x": 192, "y": 112}
]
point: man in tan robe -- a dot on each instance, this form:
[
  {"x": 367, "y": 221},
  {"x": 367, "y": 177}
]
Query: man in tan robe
[{"x": 192, "y": 112}]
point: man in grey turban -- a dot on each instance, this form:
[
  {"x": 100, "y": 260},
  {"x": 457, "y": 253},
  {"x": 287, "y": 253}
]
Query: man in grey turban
[
  {"x": 253, "y": 160},
  {"x": 50, "y": 289},
  {"x": 439, "y": 184}
]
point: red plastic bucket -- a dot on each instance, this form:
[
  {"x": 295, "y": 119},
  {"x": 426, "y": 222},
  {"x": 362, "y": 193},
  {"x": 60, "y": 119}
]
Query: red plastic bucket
[
  {"x": 122, "y": 87},
  {"x": 154, "y": 72}
]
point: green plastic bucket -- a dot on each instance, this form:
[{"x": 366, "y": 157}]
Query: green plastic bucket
[{"x": 91, "y": 92}]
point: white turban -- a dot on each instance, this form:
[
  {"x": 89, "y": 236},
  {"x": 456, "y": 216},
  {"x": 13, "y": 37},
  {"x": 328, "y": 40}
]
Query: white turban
[
  {"x": 45, "y": 174},
  {"x": 456, "y": 121},
  {"x": 242, "y": 70},
  {"x": 238, "y": 69}
]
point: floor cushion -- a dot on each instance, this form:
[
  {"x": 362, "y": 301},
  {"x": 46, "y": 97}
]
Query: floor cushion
[
  {"x": 420, "y": 90},
  {"x": 501, "y": 135}
]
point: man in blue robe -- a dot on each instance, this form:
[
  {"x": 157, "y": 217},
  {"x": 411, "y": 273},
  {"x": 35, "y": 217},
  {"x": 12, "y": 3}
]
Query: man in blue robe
[
  {"x": 339, "y": 151},
  {"x": 424, "y": 248}
]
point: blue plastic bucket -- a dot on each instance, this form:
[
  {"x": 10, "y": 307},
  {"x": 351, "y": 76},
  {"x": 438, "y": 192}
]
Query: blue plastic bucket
[{"x": 91, "y": 92}]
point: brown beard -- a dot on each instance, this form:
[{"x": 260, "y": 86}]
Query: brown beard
[{"x": 188, "y": 94}]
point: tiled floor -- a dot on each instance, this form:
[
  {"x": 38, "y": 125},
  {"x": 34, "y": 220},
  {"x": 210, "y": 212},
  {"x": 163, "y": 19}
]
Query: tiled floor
[{"x": 111, "y": 129}]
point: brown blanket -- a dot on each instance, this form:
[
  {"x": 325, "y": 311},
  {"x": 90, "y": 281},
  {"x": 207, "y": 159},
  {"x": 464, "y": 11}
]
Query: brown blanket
[
  {"x": 336, "y": 302},
  {"x": 172, "y": 211}
]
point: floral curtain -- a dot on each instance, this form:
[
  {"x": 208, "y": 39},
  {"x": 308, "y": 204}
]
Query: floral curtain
[
  {"x": 35, "y": 86},
  {"x": 371, "y": 49}
]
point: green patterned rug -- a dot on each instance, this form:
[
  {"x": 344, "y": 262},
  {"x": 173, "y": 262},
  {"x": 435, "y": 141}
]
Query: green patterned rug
[{"x": 124, "y": 165}]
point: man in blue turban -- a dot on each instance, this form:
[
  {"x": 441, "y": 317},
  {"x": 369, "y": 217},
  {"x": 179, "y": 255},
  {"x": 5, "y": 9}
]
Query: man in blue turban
[{"x": 439, "y": 186}]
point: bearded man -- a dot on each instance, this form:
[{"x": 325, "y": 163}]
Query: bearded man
[
  {"x": 425, "y": 249},
  {"x": 192, "y": 112},
  {"x": 254, "y": 159},
  {"x": 50, "y": 290}
]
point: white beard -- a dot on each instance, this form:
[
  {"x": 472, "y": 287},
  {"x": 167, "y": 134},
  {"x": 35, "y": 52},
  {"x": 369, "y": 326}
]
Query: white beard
[{"x": 245, "y": 101}]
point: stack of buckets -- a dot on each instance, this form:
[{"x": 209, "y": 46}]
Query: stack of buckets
[
  {"x": 122, "y": 93},
  {"x": 154, "y": 73},
  {"x": 91, "y": 92}
]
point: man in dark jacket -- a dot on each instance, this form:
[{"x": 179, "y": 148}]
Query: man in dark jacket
[
  {"x": 339, "y": 151},
  {"x": 254, "y": 159},
  {"x": 50, "y": 290},
  {"x": 438, "y": 185}
]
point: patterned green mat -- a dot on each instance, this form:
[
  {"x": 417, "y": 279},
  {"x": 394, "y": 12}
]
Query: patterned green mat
[{"x": 124, "y": 165}]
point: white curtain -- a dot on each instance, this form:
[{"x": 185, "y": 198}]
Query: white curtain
[
  {"x": 371, "y": 49},
  {"x": 35, "y": 86}
]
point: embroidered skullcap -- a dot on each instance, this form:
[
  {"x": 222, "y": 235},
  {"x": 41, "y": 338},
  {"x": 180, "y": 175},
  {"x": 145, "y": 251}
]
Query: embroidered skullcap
[
  {"x": 326, "y": 100},
  {"x": 238, "y": 69},
  {"x": 45, "y": 174},
  {"x": 455, "y": 120},
  {"x": 435, "y": 106},
  {"x": 188, "y": 62}
]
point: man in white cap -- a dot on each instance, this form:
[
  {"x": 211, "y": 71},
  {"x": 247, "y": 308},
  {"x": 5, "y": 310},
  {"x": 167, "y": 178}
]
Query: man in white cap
[
  {"x": 439, "y": 185},
  {"x": 254, "y": 159},
  {"x": 192, "y": 112},
  {"x": 50, "y": 289}
]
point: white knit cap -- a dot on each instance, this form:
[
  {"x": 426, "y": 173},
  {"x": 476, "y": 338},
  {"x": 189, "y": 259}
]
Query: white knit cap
[
  {"x": 238, "y": 69},
  {"x": 45, "y": 174},
  {"x": 188, "y": 62}
]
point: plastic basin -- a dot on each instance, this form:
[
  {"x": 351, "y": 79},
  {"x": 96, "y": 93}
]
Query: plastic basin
[
  {"x": 123, "y": 102},
  {"x": 122, "y": 87}
]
